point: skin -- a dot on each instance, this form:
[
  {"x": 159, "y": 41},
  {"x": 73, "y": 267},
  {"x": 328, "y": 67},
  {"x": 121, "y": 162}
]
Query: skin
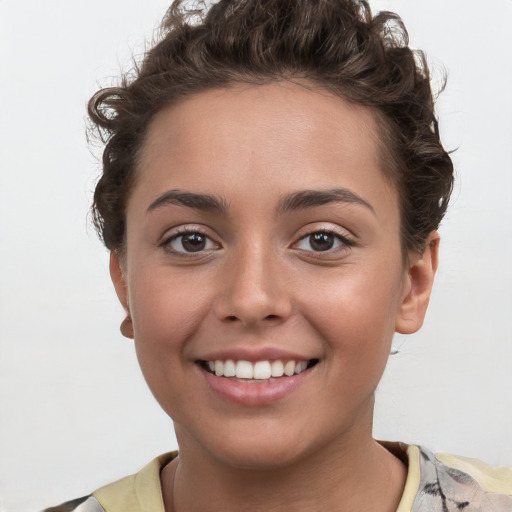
[{"x": 259, "y": 283}]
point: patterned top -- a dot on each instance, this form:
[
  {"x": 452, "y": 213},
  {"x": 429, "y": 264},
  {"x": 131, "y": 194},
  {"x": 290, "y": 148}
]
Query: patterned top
[
  {"x": 435, "y": 483},
  {"x": 445, "y": 488}
]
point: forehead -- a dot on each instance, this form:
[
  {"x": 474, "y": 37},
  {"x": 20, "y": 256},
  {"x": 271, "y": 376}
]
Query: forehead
[{"x": 244, "y": 138}]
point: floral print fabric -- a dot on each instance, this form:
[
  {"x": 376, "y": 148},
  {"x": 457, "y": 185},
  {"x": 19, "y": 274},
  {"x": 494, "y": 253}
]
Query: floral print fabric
[{"x": 445, "y": 489}]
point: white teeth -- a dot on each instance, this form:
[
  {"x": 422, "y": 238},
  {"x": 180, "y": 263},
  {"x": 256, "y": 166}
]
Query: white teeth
[
  {"x": 289, "y": 368},
  {"x": 244, "y": 370},
  {"x": 229, "y": 368},
  {"x": 277, "y": 369},
  {"x": 219, "y": 368},
  {"x": 261, "y": 370},
  {"x": 300, "y": 367}
]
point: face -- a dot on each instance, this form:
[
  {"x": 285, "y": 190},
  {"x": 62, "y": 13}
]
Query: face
[{"x": 263, "y": 244}]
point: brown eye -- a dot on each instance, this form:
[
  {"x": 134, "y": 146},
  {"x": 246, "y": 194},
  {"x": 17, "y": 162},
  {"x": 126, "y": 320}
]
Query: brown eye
[
  {"x": 189, "y": 242},
  {"x": 193, "y": 242},
  {"x": 323, "y": 241}
]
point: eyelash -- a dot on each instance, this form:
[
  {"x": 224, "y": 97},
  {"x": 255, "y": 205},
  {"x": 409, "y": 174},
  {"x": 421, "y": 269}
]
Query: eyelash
[
  {"x": 346, "y": 243},
  {"x": 165, "y": 244}
]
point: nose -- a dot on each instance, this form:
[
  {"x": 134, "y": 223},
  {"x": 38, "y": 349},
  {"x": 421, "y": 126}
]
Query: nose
[{"x": 254, "y": 290}]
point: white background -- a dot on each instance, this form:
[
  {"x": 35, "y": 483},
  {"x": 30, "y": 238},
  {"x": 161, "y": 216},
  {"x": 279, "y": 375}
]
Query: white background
[{"x": 74, "y": 410}]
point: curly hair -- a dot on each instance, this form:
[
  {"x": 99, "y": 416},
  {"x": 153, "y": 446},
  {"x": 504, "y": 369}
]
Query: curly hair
[{"x": 334, "y": 45}]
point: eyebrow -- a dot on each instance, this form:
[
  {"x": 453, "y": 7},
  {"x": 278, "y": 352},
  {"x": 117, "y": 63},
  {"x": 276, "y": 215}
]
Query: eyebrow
[
  {"x": 300, "y": 200},
  {"x": 205, "y": 202},
  {"x": 310, "y": 198}
]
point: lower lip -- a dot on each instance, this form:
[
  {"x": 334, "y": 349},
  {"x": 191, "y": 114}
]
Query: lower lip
[{"x": 254, "y": 393}]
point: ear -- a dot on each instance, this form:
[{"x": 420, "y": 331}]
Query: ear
[
  {"x": 118, "y": 278},
  {"x": 417, "y": 286}
]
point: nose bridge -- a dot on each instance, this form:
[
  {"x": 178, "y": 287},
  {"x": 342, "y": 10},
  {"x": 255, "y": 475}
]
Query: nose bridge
[{"x": 253, "y": 291}]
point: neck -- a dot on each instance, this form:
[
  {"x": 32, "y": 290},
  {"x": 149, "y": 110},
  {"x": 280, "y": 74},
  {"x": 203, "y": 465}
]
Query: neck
[{"x": 353, "y": 477}]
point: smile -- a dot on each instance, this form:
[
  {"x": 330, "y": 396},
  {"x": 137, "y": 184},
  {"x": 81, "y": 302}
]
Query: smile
[
  {"x": 258, "y": 371},
  {"x": 259, "y": 382}
]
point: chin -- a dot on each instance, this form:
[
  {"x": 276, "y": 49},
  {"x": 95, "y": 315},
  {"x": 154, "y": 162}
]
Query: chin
[{"x": 264, "y": 446}]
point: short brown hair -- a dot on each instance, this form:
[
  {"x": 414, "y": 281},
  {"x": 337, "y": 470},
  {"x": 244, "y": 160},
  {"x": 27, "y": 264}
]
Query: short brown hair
[{"x": 336, "y": 45}]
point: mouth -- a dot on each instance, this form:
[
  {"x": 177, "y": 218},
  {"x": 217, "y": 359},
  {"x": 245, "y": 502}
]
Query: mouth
[{"x": 257, "y": 372}]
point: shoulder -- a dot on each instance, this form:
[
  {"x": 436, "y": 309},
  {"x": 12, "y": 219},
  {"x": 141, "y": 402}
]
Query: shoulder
[
  {"x": 449, "y": 482},
  {"x": 490, "y": 478},
  {"x": 124, "y": 495},
  {"x": 84, "y": 504}
]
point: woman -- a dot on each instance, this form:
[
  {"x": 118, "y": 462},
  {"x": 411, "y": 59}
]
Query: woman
[{"x": 273, "y": 181}]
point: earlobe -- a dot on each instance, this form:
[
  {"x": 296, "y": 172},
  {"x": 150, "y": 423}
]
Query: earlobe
[
  {"x": 118, "y": 278},
  {"x": 418, "y": 286}
]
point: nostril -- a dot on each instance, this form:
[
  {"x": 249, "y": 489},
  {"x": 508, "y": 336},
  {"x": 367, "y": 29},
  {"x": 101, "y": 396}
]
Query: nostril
[{"x": 271, "y": 317}]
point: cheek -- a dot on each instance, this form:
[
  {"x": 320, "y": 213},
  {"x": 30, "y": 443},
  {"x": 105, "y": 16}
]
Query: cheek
[
  {"x": 166, "y": 313},
  {"x": 165, "y": 304},
  {"x": 354, "y": 312}
]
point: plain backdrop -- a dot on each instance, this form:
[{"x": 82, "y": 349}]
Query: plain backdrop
[{"x": 74, "y": 409}]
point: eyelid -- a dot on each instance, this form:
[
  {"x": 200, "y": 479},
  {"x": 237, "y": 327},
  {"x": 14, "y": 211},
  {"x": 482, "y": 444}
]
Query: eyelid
[
  {"x": 345, "y": 238},
  {"x": 175, "y": 233},
  {"x": 347, "y": 241}
]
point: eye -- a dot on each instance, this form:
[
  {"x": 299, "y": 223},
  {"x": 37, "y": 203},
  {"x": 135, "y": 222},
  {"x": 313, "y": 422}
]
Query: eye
[
  {"x": 188, "y": 241},
  {"x": 323, "y": 241}
]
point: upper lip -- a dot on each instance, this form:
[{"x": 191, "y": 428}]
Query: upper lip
[{"x": 254, "y": 355}]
